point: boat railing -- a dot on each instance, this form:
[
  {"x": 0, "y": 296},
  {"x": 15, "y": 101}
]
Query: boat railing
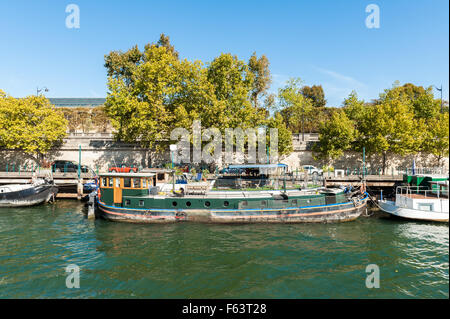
[{"x": 424, "y": 191}]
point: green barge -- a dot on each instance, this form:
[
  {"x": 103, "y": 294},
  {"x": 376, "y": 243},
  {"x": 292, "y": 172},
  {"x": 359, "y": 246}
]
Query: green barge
[{"x": 134, "y": 197}]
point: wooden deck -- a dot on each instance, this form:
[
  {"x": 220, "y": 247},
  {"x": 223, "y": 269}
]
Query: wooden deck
[{"x": 61, "y": 179}]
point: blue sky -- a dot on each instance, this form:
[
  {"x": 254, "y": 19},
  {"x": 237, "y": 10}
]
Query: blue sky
[{"x": 322, "y": 42}]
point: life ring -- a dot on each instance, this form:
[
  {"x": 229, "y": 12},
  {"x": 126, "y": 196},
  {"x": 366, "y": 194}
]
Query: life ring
[{"x": 180, "y": 215}]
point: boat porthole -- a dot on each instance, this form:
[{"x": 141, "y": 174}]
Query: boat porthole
[
  {"x": 174, "y": 204},
  {"x": 226, "y": 203},
  {"x": 188, "y": 204},
  {"x": 207, "y": 204}
]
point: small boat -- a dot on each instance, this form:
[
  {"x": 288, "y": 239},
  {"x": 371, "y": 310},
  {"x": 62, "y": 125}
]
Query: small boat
[
  {"x": 419, "y": 202},
  {"x": 19, "y": 195},
  {"x": 136, "y": 198}
]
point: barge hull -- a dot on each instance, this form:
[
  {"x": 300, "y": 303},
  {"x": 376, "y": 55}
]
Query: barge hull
[{"x": 323, "y": 214}]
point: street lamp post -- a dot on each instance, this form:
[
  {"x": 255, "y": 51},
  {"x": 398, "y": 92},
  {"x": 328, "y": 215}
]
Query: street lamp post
[
  {"x": 440, "y": 90},
  {"x": 173, "y": 149}
]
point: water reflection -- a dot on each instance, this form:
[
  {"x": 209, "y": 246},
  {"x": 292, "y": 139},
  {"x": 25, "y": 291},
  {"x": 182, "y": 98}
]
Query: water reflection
[{"x": 187, "y": 260}]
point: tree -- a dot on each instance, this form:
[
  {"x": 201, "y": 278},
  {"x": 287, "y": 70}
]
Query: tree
[
  {"x": 354, "y": 108},
  {"x": 261, "y": 73},
  {"x": 335, "y": 136},
  {"x": 121, "y": 65},
  {"x": 316, "y": 94},
  {"x": 233, "y": 83},
  {"x": 389, "y": 128},
  {"x": 164, "y": 41},
  {"x": 161, "y": 93},
  {"x": 295, "y": 107},
  {"x": 153, "y": 92},
  {"x": 436, "y": 141},
  {"x": 284, "y": 134},
  {"x": 422, "y": 100},
  {"x": 30, "y": 125}
]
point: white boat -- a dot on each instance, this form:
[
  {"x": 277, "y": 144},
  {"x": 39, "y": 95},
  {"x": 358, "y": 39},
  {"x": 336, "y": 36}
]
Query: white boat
[
  {"x": 419, "y": 203},
  {"x": 18, "y": 195}
]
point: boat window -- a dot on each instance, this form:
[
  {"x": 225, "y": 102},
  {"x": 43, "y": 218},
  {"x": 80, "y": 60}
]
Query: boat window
[
  {"x": 110, "y": 182},
  {"x": 174, "y": 204},
  {"x": 141, "y": 202},
  {"x": 117, "y": 182},
  {"x": 226, "y": 203},
  {"x": 264, "y": 203},
  {"x": 127, "y": 182},
  {"x": 207, "y": 204},
  {"x": 244, "y": 203},
  {"x": 144, "y": 183},
  {"x": 127, "y": 202},
  {"x": 425, "y": 206},
  {"x": 188, "y": 204},
  {"x": 104, "y": 182},
  {"x": 294, "y": 202},
  {"x": 161, "y": 177},
  {"x": 136, "y": 182}
]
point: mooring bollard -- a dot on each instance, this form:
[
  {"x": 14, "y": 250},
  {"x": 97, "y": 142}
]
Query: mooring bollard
[
  {"x": 79, "y": 189},
  {"x": 91, "y": 205}
]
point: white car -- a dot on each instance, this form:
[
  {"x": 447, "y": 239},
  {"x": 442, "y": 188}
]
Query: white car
[{"x": 312, "y": 170}]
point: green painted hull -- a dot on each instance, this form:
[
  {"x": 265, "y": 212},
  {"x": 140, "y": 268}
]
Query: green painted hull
[{"x": 347, "y": 210}]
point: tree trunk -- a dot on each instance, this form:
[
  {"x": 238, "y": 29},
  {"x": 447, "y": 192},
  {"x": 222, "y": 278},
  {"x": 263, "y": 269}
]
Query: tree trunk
[
  {"x": 384, "y": 162},
  {"x": 303, "y": 128}
]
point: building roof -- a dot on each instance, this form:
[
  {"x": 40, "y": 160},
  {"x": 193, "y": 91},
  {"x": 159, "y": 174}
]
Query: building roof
[{"x": 77, "y": 102}]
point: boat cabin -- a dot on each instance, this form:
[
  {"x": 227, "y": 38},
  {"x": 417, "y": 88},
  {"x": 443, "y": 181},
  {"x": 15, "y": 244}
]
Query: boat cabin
[
  {"x": 114, "y": 186},
  {"x": 421, "y": 198},
  {"x": 163, "y": 175}
]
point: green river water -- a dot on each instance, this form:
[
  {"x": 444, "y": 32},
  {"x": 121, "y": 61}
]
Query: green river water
[{"x": 184, "y": 260}]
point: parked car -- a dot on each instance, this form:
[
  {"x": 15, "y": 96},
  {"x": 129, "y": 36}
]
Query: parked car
[
  {"x": 238, "y": 171},
  {"x": 123, "y": 168},
  {"x": 68, "y": 167},
  {"x": 312, "y": 170}
]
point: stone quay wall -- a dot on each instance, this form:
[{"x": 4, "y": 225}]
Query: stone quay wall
[{"x": 100, "y": 151}]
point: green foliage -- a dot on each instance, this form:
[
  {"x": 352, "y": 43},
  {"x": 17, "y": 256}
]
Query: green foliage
[
  {"x": 284, "y": 134},
  {"x": 405, "y": 120},
  {"x": 261, "y": 73},
  {"x": 336, "y": 136},
  {"x": 294, "y": 106},
  {"x": 316, "y": 94},
  {"x": 421, "y": 100},
  {"x": 30, "y": 125},
  {"x": 153, "y": 92},
  {"x": 436, "y": 141}
]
